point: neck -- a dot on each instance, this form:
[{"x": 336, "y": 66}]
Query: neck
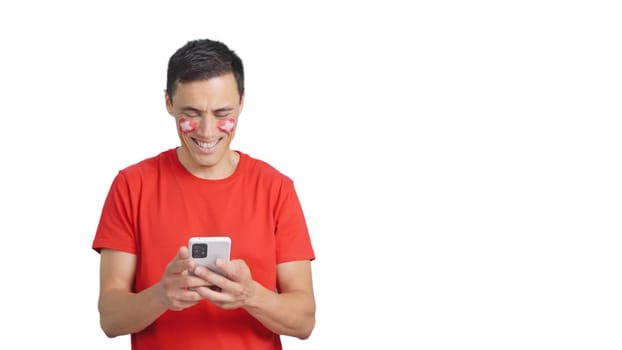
[{"x": 224, "y": 168}]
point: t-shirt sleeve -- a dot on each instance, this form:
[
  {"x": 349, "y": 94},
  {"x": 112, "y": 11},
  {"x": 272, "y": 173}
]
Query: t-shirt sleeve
[
  {"x": 292, "y": 235},
  {"x": 116, "y": 229}
]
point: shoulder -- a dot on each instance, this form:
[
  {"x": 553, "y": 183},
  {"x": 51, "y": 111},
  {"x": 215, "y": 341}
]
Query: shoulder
[
  {"x": 263, "y": 169},
  {"x": 147, "y": 166}
]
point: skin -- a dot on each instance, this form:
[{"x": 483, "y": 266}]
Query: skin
[
  {"x": 290, "y": 312},
  {"x": 207, "y": 105}
]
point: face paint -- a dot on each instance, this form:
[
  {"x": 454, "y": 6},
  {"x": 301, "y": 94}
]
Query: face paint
[
  {"x": 226, "y": 125},
  {"x": 187, "y": 125}
]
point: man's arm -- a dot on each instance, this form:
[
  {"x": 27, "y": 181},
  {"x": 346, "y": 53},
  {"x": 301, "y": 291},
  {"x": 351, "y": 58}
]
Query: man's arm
[
  {"x": 121, "y": 310},
  {"x": 290, "y": 312}
]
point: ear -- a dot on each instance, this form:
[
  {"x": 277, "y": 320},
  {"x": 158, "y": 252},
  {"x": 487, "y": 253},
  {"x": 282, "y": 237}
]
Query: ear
[{"x": 169, "y": 103}]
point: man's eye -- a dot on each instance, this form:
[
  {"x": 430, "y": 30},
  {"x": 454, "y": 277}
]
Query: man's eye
[{"x": 222, "y": 115}]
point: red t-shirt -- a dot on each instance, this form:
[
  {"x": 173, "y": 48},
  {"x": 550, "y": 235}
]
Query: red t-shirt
[{"x": 155, "y": 206}]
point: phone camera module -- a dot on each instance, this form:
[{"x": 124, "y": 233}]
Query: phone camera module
[{"x": 199, "y": 250}]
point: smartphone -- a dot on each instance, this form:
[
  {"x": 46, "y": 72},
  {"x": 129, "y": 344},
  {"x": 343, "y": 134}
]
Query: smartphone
[{"x": 205, "y": 250}]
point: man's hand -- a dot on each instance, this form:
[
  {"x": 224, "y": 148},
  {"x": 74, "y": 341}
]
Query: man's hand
[
  {"x": 177, "y": 286},
  {"x": 228, "y": 292}
]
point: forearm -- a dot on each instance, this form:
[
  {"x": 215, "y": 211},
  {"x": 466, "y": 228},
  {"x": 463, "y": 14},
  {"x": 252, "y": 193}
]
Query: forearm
[
  {"x": 291, "y": 313},
  {"x": 122, "y": 312}
]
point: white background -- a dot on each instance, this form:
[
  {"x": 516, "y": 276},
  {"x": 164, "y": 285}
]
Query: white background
[{"x": 459, "y": 162}]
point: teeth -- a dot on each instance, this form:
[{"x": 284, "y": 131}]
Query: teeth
[{"x": 206, "y": 144}]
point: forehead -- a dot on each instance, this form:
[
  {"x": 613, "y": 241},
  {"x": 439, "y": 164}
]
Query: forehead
[{"x": 217, "y": 90}]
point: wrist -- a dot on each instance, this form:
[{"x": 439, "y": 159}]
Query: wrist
[
  {"x": 255, "y": 295},
  {"x": 159, "y": 296}
]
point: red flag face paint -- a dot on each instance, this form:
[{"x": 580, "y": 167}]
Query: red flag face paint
[
  {"x": 187, "y": 125},
  {"x": 226, "y": 125}
]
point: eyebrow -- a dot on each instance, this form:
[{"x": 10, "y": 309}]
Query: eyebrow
[
  {"x": 198, "y": 111},
  {"x": 191, "y": 109},
  {"x": 224, "y": 109}
]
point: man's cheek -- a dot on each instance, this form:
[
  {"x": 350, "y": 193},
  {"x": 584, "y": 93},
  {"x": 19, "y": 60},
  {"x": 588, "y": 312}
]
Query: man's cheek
[
  {"x": 226, "y": 125},
  {"x": 187, "y": 125}
]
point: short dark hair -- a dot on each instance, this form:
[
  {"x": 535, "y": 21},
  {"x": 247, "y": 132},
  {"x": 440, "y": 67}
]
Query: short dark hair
[{"x": 201, "y": 60}]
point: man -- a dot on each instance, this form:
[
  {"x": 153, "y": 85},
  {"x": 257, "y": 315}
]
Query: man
[{"x": 149, "y": 286}]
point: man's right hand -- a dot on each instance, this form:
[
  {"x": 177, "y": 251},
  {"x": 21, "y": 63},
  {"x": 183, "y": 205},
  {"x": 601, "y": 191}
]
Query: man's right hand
[{"x": 176, "y": 285}]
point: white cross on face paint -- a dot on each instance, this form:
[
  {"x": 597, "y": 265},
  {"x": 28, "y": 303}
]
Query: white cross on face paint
[
  {"x": 187, "y": 125},
  {"x": 226, "y": 125}
]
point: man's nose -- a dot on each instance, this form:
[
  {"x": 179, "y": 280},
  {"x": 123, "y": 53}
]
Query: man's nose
[{"x": 208, "y": 126}]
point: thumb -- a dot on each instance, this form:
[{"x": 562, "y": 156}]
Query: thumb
[
  {"x": 182, "y": 253},
  {"x": 180, "y": 262}
]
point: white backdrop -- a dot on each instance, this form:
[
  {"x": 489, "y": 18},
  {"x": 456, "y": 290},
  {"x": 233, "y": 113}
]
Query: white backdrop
[{"x": 459, "y": 162}]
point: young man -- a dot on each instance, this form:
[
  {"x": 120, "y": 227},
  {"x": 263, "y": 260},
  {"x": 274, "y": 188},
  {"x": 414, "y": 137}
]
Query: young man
[{"x": 149, "y": 286}]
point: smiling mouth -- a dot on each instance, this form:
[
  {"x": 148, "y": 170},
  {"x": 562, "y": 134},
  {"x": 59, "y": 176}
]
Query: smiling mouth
[{"x": 206, "y": 145}]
